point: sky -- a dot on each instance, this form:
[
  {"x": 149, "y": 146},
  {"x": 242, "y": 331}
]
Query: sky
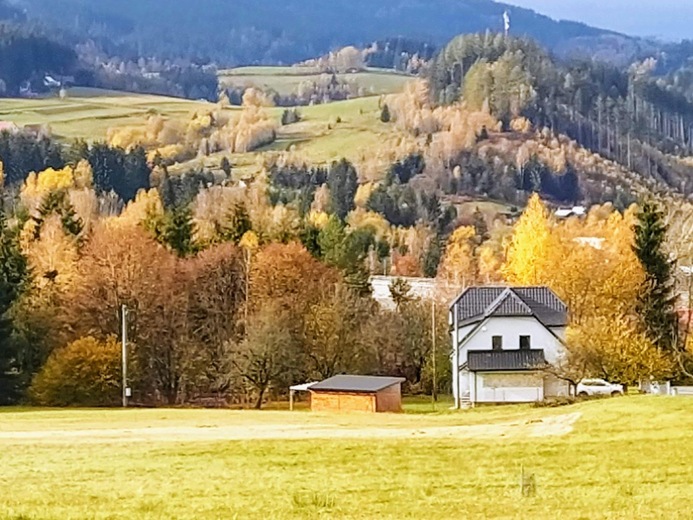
[{"x": 665, "y": 19}]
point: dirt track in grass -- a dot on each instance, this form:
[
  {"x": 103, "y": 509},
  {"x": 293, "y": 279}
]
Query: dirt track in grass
[{"x": 537, "y": 427}]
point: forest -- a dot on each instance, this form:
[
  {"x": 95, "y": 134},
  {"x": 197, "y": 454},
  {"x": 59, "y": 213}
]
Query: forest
[
  {"x": 283, "y": 32},
  {"x": 242, "y": 256}
]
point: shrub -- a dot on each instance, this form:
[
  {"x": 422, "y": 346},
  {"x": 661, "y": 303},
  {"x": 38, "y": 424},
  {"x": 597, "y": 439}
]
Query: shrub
[
  {"x": 554, "y": 402},
  {"x": 385, "y": 115},
  {"x": 290, "y": 116},
  {"x": 84, "y": 373}
]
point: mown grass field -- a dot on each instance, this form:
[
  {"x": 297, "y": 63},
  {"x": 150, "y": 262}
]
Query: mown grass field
[
  {"x": 89, "y": 113},
  {"x": 285, "y": 80},
  {"x": 344, "y": 129},
  {"x": 329, "y": 132},
  {"x": 626, "y": 458}
]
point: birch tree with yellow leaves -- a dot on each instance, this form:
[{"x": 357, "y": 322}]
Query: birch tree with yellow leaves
[
  {"x": 531, "y": 247},
  {"x": 591, "y": 265},
  {"x": 459, "y": 266}
]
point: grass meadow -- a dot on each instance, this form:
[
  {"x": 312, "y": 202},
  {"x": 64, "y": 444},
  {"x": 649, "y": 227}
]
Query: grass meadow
[
  {"x": 285, "y": 80},
  {"x": 344, "y": 129},
  {"x": 88, "y": 113},
  {"x": 326, "y": 133},
  {"x": 626, "y": 458}
]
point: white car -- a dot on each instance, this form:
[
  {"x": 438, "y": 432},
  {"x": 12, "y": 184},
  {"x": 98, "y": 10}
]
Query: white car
[{"x": 591, "y": 387}]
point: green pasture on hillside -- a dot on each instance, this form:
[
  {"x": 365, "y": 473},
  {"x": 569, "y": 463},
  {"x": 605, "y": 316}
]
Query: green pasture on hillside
[
  {"x": 326, "y": 133},
  {"x": 624, "y": 458},
  {"x": 285, "y": 80},
  {"x": 89, "y": 113},
  {"x": 344, "y": 129}
]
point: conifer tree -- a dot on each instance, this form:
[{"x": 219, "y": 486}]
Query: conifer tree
[
  {"x": 57, "y": 202},
  {"x": 177, "y": 231},
  {"x": 238, "y": 224},
  {"x": 225, "y": 166},
  {"x": 13, "y": 275},
  {"x": 343, "y": 183},
  {"x": 657, "y": 298},
  {"x": 385, "y": 115}
]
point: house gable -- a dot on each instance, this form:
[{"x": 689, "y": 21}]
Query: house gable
[
  {"x": 511, "y": 329},
  {"x": 477, "y": 303}
]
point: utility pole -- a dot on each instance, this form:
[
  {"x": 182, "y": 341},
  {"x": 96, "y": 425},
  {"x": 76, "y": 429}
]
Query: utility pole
[
  {"x": 126, "y": 390},
  {"x": 434, "y": 394},
  {"x": 246, "y": 308}
]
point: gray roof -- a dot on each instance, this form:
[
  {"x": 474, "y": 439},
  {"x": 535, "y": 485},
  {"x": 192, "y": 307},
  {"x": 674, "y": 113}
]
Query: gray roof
[
  {"x": 502, "y": 360},
  {"x": 365, "y": 384},
  {"x": 477, "y": 303}
]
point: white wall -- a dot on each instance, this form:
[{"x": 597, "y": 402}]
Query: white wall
[
  {"x": 510, "y": 328},
  {"x": 423, "y": 288},
  {"x": 509, "y": 387},
  {"x": 464, "y": 383}
]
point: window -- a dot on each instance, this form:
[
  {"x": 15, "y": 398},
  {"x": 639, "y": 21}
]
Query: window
[
  {"x": 497, "y": 342},
  {"x": 525, "y": 343}
]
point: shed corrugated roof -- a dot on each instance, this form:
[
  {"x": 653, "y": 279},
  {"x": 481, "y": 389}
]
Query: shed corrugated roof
[
  {"x": 360, "y": 384},
  {"x": 502, "y": 360}
]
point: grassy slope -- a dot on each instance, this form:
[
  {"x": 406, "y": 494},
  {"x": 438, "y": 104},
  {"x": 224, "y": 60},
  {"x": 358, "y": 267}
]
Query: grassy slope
[
  {"x": 89, "y": 113},
  {"x": 285, "y": 80},
  {"x": 627, "y": 458},
  {"x": 319, "y": 137}
]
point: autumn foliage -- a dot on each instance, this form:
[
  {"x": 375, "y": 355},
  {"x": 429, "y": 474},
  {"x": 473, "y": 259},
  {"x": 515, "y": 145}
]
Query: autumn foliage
[{"x": 83, "y": 373}]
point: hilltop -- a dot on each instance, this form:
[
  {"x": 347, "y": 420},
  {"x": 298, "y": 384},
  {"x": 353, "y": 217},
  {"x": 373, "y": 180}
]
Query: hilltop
[{"x": 286, "y": 31}]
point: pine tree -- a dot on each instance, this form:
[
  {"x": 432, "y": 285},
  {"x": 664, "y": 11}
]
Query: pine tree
[
  {"x": 13, "y": 275},
  {"x": 225, "y": 166},
  {"x": 239, "y": 224},
  {"x": 57, "y": 202},
  {"x": 385, "y": 115},
  {"x": 343, "y": 183},
  {"x": 480, "y": 225},
  {"x": 657, "y": 298},
  {"x": 357, "y": 280},
  {"x": 178, "y": 231}
]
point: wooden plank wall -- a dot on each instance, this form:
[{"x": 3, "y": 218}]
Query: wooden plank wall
[
  {"x": 389, "y": 399},
  {"x": 342, "y": 402}
]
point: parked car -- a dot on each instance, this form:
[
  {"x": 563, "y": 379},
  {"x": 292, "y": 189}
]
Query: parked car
[{"x": 591, "y": 387}]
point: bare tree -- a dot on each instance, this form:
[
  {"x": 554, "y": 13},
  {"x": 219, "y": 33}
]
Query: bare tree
[{"x": 267, "y": 352}]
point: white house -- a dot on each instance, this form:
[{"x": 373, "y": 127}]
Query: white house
[
  {"x": 503, "y": 338},
  {"x": 575, "y": 211}
]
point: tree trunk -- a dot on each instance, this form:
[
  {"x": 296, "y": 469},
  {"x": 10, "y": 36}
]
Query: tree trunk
[{"x": 258, "y": 403}]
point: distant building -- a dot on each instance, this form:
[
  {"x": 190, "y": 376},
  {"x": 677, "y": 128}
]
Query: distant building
[
  {"x": 422, "y": 288},
  {"x": 575, "y": 211},
  {"x": 9, "y": 127},
  {"x": 593, "y": 242}
]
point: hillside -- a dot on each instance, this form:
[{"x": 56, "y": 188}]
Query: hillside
[
  {"x": 88, "y": 113},
  {"x": 633, "y": 118},
  {"x": 280, "y": 31},
  {"x": 287, "y": 80}
]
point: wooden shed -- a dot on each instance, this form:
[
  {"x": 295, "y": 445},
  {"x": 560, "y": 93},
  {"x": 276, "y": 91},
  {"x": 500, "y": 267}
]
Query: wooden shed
[{"x": 357, "y": 394}]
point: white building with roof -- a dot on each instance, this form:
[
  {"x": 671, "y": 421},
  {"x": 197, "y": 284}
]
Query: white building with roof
[{"x": 504, "y": 341}]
